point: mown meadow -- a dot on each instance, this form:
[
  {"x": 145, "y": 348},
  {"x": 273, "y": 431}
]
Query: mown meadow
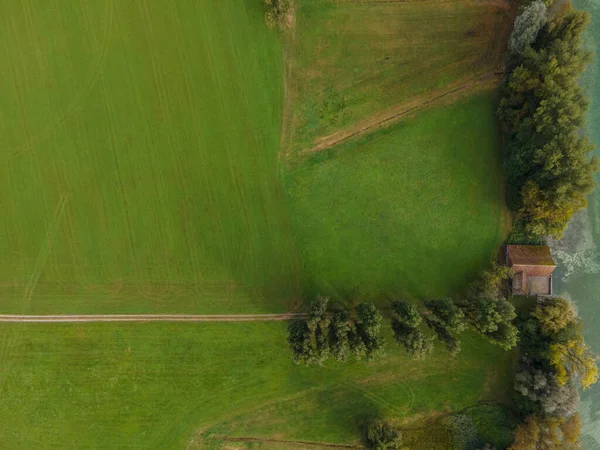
[
  {"x": 153, "y": 163},
  {"x": 165, "y": 385},
  {"x": 140, "y": 160}
]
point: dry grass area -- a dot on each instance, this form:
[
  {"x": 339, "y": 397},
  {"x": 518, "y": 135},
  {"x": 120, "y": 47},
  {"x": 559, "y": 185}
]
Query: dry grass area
[{"x": 350, "y": 61}]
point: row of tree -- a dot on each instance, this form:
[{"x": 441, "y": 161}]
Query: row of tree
[
  {"x": 549, "y": 169},
  {"x": 485, "y": 309},
  {"x": 555, "y": 364},
  {"x": 341, "y": 335},
  {"x": 312, "y": 341}
]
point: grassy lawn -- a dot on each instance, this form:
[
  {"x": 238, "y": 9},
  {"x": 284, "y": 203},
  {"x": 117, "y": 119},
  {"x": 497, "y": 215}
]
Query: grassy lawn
[
  {"x": 161, "y": 385},
  {"x": 352, "y": 60},
  {"x": 141, "y": 174},
  {"x": 139, "y": 165},
  {"x": 415, "y": 209}
]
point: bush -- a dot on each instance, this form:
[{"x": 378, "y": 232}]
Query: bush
[
  {"x": 277, "y": 11},
  {"x": 381, "y": 435},
  {"x": 463, "y": 431}
]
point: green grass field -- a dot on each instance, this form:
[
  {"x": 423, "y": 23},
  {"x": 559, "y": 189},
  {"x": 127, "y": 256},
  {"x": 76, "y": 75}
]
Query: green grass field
[
  {"x": 139, "y": 166},
  {"x": 415, "y": 209},
  {"x": 159, "y": 385},
  {"x": 353, "y": 60},
  {"x": 142, "y": 173}
]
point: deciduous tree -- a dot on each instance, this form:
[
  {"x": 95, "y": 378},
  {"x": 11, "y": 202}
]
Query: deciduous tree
[
  {"x": 414, "y": 341},
  {"x": 446, "y": 314},
  {"x": 339, "y": 330},
  {"x": 527, "y": 26},
  {"x": 381, "y": 435},
  {"x": 542, "y": 110}
]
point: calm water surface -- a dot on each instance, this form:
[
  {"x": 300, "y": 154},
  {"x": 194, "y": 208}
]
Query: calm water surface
[{"x": 579, "y": 252}]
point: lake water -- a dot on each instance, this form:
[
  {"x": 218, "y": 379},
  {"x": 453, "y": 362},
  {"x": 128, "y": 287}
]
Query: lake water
[{"x": 578, "y": 254}]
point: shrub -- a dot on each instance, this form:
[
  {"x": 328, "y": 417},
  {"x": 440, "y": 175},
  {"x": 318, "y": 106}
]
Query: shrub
[
  {"x": 277, "y": 11},
  {"x": 381, "y": 435},
  {"x": 463, "y": 431}
]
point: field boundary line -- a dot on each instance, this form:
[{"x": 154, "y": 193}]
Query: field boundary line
[
  {"x": 74, "y": 318},
  {"x": 328, "y": 143},
  {"x": 283, "y": 441}
]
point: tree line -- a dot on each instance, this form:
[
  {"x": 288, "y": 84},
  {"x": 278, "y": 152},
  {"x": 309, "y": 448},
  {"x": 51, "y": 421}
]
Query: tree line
[
  {"x": 339, "y": 334},
  {"x": 542, "y": 110},
  {"x": 555, "y": 364}
]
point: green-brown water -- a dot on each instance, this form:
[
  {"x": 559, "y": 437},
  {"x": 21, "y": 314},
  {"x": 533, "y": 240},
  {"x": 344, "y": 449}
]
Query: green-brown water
[{"x": 578, "y": 254}]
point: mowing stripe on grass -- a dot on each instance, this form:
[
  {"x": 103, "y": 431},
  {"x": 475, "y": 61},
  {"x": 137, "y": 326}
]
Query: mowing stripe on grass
[{"x": 149, "y": 317}]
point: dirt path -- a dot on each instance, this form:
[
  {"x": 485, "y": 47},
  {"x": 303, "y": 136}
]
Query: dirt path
[
  {"x": 283, "y": 441},
  {"x": 382, "y": 119},
  {"x": 150, "y": 317}
]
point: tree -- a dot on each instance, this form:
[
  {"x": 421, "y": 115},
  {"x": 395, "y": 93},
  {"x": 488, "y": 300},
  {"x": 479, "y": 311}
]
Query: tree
[
  {"x": 446, "y": 318},
  {"x": 300, "y": 342},
  {"x": 506, "y": 336},
  {"x": 381, "y": 435},
  {"x": 366, "y": 340},
  {"x": 526, "y": 435},
  {"x": 339, "y": 329},
  {"x": 527, "y": 26},
  {"x": 321, "y": 336},
  {"x": 405, "y": 320},
  {"x": 489, "y": 283},
  {"x": 574, "y": 360},
  {"x": 536, "y": 433},
  {"x": 406, "y": 313},
  {"x": 554, "y": 315},
  {"x": 446, "y": 314},
  {"x": 541, "y": 394},
  {"x": 416, "y": 344},
  {"x": 452, "y": 344},
  {"x": 487, "y": 314},
  {"x": 542, "y": 111},
  {"x": 567, "y": 351},
  {"x": 317, "y": 310}
]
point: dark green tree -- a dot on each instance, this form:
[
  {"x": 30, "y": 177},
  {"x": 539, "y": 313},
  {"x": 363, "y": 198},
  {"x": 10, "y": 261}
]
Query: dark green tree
[
  {"x": 452, "y": 344},
  {"x": 406, "y": 313},
  {"x": 542, "y": 110},
  {"x": 414, "y": 341},
  {"x": 339, "y": 330},
  {"x": 318, "y": 309},
  {"x": 405, "y": 322},
  {"x": 300, "y": 342},
  {"x": 366, "y": 340},
  {"x": 381, "y": 435},
  {"x": 447, "y": 314}
]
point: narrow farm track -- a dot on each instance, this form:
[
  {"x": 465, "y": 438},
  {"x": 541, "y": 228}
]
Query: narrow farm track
[
  {"x": 150, "y": 317},
  {"x": 283, "y": 441},
  {"x": 373, "y": 123}
]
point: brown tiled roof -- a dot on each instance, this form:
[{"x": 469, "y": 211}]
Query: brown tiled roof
[{"x": 530, "y": 255}]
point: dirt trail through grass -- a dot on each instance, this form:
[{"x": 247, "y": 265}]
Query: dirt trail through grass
[
  {"x": 382, "y": 119},
  {"x": 150, "y": 317},
  {"x": 283, "y": 441}
]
